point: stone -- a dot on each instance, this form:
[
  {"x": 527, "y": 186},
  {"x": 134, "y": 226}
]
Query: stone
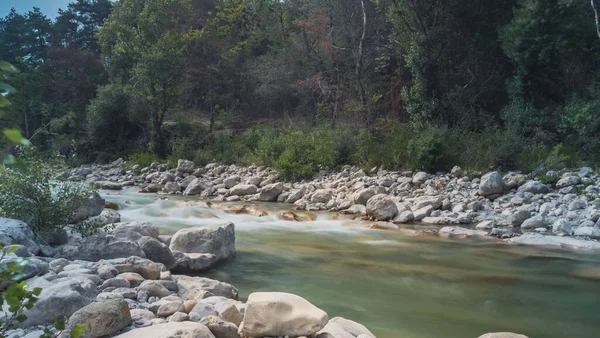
[
  {"x": 157, "y": 251},
  {"x": 243, "y": 190},
  {"x": 404, "y": 217},
  {"x": 568, "y": 181},
  {"x": 381, "y": 207},
  {"x": 115, "y": 283},
  {"x": 97, "y": 247},
  {"x": 170, "y": 330},
  {"x": 178, "y": 317},
  {"x": 31, "y": 267},
  {"x": 363, "y": 195},
  {"x": 172, "y": 187},
  {"x": 185, "y": 166},
  {"x": 194, "y": 288},
  {"x": 502, "y": 335},
  {"x": 491, "y": 184},
  {"x": 517, "y": 218},
  {"x": 101, "y": 318},
  {"x": 322, "y": 196},
  {"x": 457, "y": 171},
  {"x": 218, "y": 240},
  {"x": 270, "y": 192},
  {"x": 193, "y": 262},
  {"x": 195, "y": 187},
  {"x": 339, "y": 327},
  {"x": 451, "y": 231},
  {"x": 591, "y": 232},
  {"x": 61, "y": 298},
  {"x": 94, "y": 206},
  {"x": 534, "y": 187},
  {"x": 154, "y": 288},
  {"x": 280, "y": 314},
  {"x": 562, "y": 226},
  {"x": 220, "y": 328},
  {"x": 143, "y": 228},
  {"x": 532, "y": 238},
  {"x": 202, "y": 310},
  {"x": 107, "y": 185},
  {"x": 169, "y": 308},
  {"x": 533, "y": 222},
  {"x": 419, "y": 214},
  {"x": 485, "y": 225},
  {"x": 134, "y": 279},
  {"x": 420, "y": 178},
  {"x": 16, "y": 232}
]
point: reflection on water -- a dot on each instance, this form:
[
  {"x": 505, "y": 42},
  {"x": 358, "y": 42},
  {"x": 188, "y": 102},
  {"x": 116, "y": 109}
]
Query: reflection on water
[{"x": 395, "y": 284}]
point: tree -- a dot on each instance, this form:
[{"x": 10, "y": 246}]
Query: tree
[{"x": 150, "y": 36}]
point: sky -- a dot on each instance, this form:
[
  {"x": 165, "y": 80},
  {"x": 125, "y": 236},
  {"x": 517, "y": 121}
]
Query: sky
[{"x": 48, "y": 7}]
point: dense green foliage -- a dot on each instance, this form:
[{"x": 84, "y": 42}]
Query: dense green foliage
[
  {"x": 399, "y": 83},
  {"x": 45, "y": 205}
]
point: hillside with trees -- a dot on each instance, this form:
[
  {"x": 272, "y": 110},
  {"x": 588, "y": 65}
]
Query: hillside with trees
[{"x": 309, "y": 84}]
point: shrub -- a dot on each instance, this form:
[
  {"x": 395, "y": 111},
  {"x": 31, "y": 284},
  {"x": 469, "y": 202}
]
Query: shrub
[
  {"x": 144, "y": 159},
  {"x": 182, "y": 148},
  {"x": 45, "y": 205}
]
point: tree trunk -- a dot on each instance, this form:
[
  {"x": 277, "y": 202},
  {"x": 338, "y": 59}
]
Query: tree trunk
[
  {"x": 359, "y": 57},
  {"x": 596, "y": 8},
  {"x": 157, "y": 137}
]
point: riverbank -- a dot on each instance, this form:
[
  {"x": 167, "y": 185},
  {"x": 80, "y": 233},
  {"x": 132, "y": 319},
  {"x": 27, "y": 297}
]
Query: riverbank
[{"x": 557, "y": 208}]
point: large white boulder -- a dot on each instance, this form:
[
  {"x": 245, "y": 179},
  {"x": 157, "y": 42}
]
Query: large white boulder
[
  {"x": 170, "y": 330},
  {"x": 243, "y": 190},
  {"x": 195, "y": 187},
  {"x": 194, "y": 288},
  {"x": 280, "y": 314},
  {"x": 185, "y": 166},
  {"x": 218, "y": 240},
  {"x": 382, "y": 207},
  {"x": 491, "y": 184},
  {"x": 339, "y": 327},
  {"x": 100, "y": 318},
  {"x": 270, "y": 192},
  {"x": 13, "y": 231}
]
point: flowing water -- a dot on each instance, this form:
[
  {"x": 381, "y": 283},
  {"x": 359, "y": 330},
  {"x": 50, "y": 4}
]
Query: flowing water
[{"x": 398, "y": 285}]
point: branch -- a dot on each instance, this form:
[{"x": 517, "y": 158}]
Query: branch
[{"x": 595, "y": 7}]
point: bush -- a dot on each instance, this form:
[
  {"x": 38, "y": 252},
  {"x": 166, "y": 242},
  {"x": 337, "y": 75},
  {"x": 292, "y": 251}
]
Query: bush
[
  {"x": 182, "y": 148},
  {"x": 144, "y": 159},
  {"x": 46, "y": 206}
]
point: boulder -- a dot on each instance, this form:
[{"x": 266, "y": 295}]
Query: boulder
[
  {"x": 146, "y": 268},
  {"x": 591, "y": 232},
  {"x": 243, "y": 190},
  {"x": 143, "y": 228},
  {"x": 218, "y": 240},
  {"x": 420, "y": 178},
  {"x": 101, "y": 318},
  {"x": 534, "y": 187},
  {"x": 97, "y": 247},
  {"x": 270, "y": 192},
  {"x": 30, "y": 267},
  {"x": 193, "y": 288},
  {"x": 339, "y": 327},
  {"x": 562, "y": 226},
  {"x": 185, "y": 166},
  {"x": 157, "y": 251},
  {"x": 491, "y": 184},
  {"x": 451, "y": 231},
  {"x": 192, "y": 262},
  {"x": 533, "y": 223},
  {"x": 381, "y": 207},
  {"x": 322, "y": 196},
  {"x": 154, "y": 289},
  {"x": 568, "y": 181},
  {"x": 195, "y": 187},
  {"x": 518, "y": 217},
  {"x": 62, "y": 298},
  {"x": 13, "y": 231},
  {"x": 363, "y": 195},
  {"x": 231, "y": 181},
  {"x": 280, "y": 314},
  {"x": 172, "y": 187},
  {"x": 532, "y": 238},
  {"x": 107, "y": 185},
  {"x": 94, "y": 204},
  {"x": 171, "y": 330},
  {"x": 220, "y": 328}
]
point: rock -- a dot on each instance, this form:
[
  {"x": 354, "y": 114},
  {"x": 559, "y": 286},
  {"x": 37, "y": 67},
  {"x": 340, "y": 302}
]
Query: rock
[
  {"x": 146, "y": 268},
  {"x": 178, "y": 317},
  {"x": 134, "y": 279},
  {"x": 381, "y": 207},
  {"x": 280, "y": 314},
  {"x": 172, "y": 187},
  {"x": 491, "y": 184},
  {"x": 568, "y": 181},
  {"x": 170, "y": 330},
  {"x": 97, "y": 247},
  {"x": 485, "y": 225},
  {"x": 170, "y": 308},
  {"x": 270, "y": 192},
  {"x": 404, "y": 217},
  {"x": 157, "y": 251},
  {"x": 143, "y": 228},
  {"x": 363, "y": 195},
  {"x": 195, "y": 187},
  {"x": 322, "y": 196},
  {"x": 339, "y": 327},
  {"x": 562, "y": 226},
  {"x": 186, "y": 181},
  {"x": 534, "y": 187},
  {"x": 220, "y": 328},
  {"x": 202, "y": 310},
  {"x": 101, "y": 319},
  {"x": 457, "y": 171},
  {"x": 62, "y": 298},
  {"x": 193, "y": 288},
  {"x": 422, "y": 213},
  {"x": 243, "y": 189},
  {"x": 420, "y": 178},
  {"x": 31, "y": 267},
  {"x": 533, "y": 222},
  {"x": 294, "y": 196},
  {"x": 154, "y": 288},
  {"x": 108, "y": 185},
  {"x": 532, "y": 238},
  {"x": 591, "y": 232},
  {"x": 517, "y": 218},
  {"x": 356, "y": 209},
  {"x": 193, "y": 262},
  {"x": 94, "y": 206},
  {"x": 451, "y": 231},
  {"x": 502, "y": 335},
  {"x": 115, "y": 283},
  {"x": 16, "y": 232},
  {"x": 185, "y": 166},
  {"x": 218, "y": 240},
  {"x": 108, "y": 216}
]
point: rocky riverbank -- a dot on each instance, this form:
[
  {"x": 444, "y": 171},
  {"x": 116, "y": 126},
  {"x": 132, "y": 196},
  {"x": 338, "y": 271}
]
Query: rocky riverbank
[{"x": 557, "y": 208}]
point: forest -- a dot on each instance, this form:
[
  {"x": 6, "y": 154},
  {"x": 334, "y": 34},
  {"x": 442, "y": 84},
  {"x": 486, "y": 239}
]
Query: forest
[{"x": 307, "y": 85}]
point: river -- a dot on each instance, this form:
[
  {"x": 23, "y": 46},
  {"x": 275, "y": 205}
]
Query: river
[{"x": 398, "y": 285}]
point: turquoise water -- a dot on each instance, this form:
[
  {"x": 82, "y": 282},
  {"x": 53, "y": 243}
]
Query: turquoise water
[{"x": 396, "y": 284}]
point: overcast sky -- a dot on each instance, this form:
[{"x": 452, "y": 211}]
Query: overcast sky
[{"x": 48, "y": 7}]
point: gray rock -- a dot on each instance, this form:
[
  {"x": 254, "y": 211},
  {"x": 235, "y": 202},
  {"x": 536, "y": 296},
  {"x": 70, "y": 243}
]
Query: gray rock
[
  {"x": 322, "y": 196},
  {"x": 534, "y": 187},
  {"x": 94, "y": 206},
  {"x": 568, "y": 181},
  {"x": 172, "y": 187},
  {"x": 183, "y": 330},
  {"x": 154, "y": 288},
  {"x": 362, "y": 196},
  {"x": 243, "y": 190},
  {"x": 185, "y": 166},
  {"x": 107, "y": 185},
  {"x": 381, "y": 207},
  {"x": 218, "y": 240},
  {"x": 157, "y": 251},
  {"x": 97, "y": 247},
  {"x": 193, "y": 262},
  {"x": 116, "y": 283},
  {"x": 100, "y": 319},
  {"x": 491, "y": 184},
  {"x": 219, "y": 327},
  {"x": 143, "y": 228},
  {"x": 16, "y": 232},
  {"x": 590, "y": 232},
  {"x": 532, "y": 238},
  {"x": 517, "y": 218},
  {"x": 533, "y": 223},
  {"x": 270, "y": 192},
  {"x": 194, "y": 288},
  {"x": 195, "y": 187},
  {"x": 562, "y": 227},
  {"x": 404, "y": 217},
  {"x": 339, "y": 327}
]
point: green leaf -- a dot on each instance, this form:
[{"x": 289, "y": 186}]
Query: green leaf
[
  {"x": 4, "y": 101},
  {"x": 36, "y": 291},
  {"x": 7, "y": 159},
  {"x": 6, "y": 89},
  {"x": 12, "y": 249},
  {"x": 60, "y": 322},
  {"x": 20, "y": 164},
  {"x": 7, "y": 67},
  {"x": 14, "y": 135},
  {"x": 78, "y": 331}
]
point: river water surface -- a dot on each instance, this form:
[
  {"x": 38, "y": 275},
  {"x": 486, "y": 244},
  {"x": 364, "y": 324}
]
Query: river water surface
[{"x": 398, "y": 285}]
